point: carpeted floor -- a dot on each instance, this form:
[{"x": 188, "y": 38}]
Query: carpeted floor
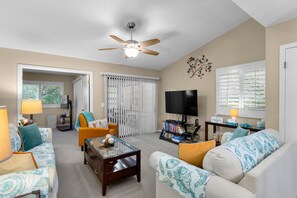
[{"x": 77, "y": 180}]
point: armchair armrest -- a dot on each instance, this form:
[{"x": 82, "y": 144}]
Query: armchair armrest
[
  {"x": 21, "y": 183},
  {"x": 113, "y": 129},
  {"x": 46, "y": 135},
  {"x": 86, "y": 132}
]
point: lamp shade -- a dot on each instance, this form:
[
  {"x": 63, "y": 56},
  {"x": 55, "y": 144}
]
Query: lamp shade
[
  {"x": 233, "y": 113},
  {"x": 5, "y": 145},
  {"x": 31, "y": 107}
]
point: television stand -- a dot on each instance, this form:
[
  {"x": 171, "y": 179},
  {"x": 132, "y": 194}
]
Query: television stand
[
  {"x": 176, "y": 132},
  {"x": 67, "y": 127}
]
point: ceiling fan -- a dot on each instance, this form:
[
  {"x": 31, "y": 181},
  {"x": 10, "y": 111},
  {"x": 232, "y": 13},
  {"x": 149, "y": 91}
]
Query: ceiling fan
[{"x": 133, "y": 47}]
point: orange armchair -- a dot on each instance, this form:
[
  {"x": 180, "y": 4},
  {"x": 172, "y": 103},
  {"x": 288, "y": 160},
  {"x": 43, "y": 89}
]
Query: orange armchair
[{"x": 86, "y": 132}]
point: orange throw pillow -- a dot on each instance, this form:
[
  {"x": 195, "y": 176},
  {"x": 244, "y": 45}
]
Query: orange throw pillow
[{"x": 194, "y": 153}]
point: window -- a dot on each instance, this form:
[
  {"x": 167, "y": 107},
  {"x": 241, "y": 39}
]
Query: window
[
  {"x": 49, "y": 92},
  {"x": 242, "y": 87}
]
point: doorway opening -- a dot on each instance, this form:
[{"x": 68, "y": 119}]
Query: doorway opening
[{"x": 42, "y": 78}]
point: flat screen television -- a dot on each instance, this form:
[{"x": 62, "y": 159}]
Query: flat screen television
[{"x": 182, "y": 102}]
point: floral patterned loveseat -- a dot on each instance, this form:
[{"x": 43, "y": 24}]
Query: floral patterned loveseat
[{"x": 44, "y": 178}]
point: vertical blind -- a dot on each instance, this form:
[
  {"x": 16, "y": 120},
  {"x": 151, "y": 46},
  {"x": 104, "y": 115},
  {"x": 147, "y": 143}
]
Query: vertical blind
[
  {"x": 242, "y": 87},
  {"x": 131, "y": 103}
]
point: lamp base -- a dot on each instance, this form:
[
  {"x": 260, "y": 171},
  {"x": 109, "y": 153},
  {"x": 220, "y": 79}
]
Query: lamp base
[
  {"x": 31, "y": 120},
  {"x": 232, "y": 120}
]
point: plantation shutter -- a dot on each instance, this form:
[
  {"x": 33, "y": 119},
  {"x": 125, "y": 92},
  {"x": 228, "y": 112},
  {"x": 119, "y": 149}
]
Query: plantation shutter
[{"x": 242, "y": 87}]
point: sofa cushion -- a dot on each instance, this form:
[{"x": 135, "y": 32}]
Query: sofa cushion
[
  {"x": 44, "y": 155},
  {"x": 18, "y": 162},
  {"x": 194, "y": 153},
  {"x": 15, "y": 138},
  {"x": 235, "y": 158},
  {"x": 31, "y": 136}
]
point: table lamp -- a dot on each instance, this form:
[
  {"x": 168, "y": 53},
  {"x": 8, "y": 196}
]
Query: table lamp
[
  {"x": 233, "y": 114},
  {"x": 5, "y": 145},
  {"x": 31, "y": 107}
]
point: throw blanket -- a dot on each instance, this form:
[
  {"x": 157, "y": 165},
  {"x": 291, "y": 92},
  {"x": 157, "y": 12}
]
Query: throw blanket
[
  {"x": 188, "y": 180},
  {"x": 89, "y": 117},
  {"x": 252, "y": 149}
]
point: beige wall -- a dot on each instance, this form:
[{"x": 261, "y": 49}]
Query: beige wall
[
  {"x": 276, "y": 36},
  {"x": 243, "y": 44},
  {"x": 9, "y": 66},
  {"x": 41, "y": 119}
]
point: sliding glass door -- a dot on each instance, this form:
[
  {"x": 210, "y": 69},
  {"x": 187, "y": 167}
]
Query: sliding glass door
[{"x": 131, "y": 103}]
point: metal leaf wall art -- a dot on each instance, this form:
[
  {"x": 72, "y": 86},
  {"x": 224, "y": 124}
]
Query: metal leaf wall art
[{"x": 198, "y": 66}]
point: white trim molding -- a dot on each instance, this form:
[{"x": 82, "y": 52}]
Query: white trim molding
[
  {"x": 22, "y": 67},
  {"x": 282, "y": 87}
]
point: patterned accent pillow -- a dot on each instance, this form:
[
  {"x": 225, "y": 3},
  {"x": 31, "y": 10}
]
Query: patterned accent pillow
[
  {"x": 15, "y": 139},
  {"x": 98, "y": 124}
]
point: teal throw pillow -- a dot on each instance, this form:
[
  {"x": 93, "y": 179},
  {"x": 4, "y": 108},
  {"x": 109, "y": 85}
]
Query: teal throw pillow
[
  {"x": 239, "y": 132},
  {"x": 31, "y": 136}
]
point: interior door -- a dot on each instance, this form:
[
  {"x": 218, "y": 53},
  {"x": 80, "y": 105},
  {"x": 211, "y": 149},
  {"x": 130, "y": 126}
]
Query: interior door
[
  {"x": 78, "y": 97},
  {"x": 290, "y": 94}
]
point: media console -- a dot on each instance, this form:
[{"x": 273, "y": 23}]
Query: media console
[{"x": 176, "y": 131}]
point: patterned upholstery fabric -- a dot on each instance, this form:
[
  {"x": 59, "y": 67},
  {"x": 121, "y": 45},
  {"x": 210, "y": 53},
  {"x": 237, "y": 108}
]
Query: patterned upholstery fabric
[
  {"x": 15, "y": 138},
  {"x": 20, "y": 183},
  {"x": 252, "y": 149},
  {"x": 186, "y": 179},
  {"x": 44, "y": 155},
  {"x": 44, "y": 135}
]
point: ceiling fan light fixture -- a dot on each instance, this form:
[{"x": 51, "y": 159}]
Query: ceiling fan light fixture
[{"x": 131, "y": 52}]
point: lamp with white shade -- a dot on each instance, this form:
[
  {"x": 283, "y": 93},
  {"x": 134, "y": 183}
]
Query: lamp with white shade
[{"x": 30, "y": 107}]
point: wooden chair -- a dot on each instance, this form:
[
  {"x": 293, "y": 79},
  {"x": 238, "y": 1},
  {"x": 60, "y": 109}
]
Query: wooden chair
[{"x": 87, "y": 132}]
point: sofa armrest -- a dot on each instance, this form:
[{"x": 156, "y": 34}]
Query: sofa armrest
[
  {"x": 46, "y": 135},
  {"x": 226, "y": 137},
  {"x": 21, "y": 183},
  {"x": 216, "y": 187}
]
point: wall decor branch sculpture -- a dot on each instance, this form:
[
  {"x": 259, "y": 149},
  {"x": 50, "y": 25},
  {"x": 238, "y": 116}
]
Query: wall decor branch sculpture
[{"x": 198, "y": 66}]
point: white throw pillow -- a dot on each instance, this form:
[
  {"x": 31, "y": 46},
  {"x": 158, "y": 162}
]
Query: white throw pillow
[{"x": 98, "y": 124}]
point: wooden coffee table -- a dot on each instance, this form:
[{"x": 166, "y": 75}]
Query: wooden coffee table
[{"x": 113, "y": 163}]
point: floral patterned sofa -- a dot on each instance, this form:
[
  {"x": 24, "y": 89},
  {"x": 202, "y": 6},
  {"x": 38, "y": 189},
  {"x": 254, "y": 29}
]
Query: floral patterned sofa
[
  {"x": 255, "y": 166},
  {"x": 44, "y": 178}
]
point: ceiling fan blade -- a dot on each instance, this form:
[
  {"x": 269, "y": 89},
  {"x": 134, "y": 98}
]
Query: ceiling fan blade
[
  {"x": 149, "y": 42},
  {"x": 150, "y": 52},
  {"x": 110, "y": 49},
  {"x": 117, "y": 39}
]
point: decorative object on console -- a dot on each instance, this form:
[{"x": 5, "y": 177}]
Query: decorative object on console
[
  {"x": 261, "y": 124},
  {"x": 197, "y": 66},
  {"x": 216, "y": 119},
  {"x": 31, "y": 107},
  {"x": 233, "y": 112},
  {"x": 5, "y": 145}
]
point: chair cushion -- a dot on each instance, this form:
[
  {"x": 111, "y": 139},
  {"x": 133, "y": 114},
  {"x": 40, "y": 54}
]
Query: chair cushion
[
  {"x": 31, "y": 136},
  {"x": 194, "y": 153},
  {"x": 18, "y": 162},
  {"x": 239, "y": 132}
]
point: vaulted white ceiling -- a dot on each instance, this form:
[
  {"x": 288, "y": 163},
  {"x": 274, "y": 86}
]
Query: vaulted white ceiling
[{"x": 77, "y": 28}]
